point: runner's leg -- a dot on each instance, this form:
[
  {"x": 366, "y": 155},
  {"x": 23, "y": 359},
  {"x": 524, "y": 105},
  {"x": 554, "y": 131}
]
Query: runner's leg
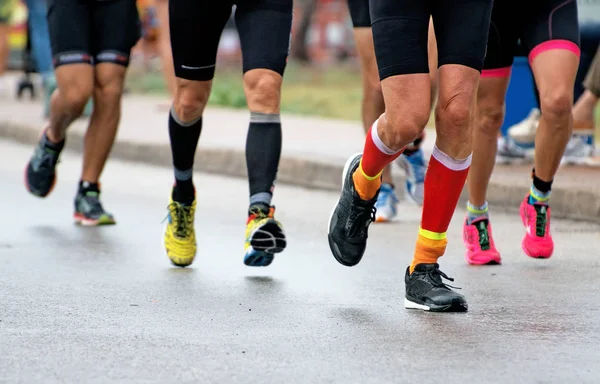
[
  {"x": 75, "y": 81},
  {"x": 194, "y": 71},
  {"x": 264, "y": 27}
]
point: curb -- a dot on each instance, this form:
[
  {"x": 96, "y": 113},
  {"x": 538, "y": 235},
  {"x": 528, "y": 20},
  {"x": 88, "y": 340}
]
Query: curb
[
  {"x": 222, "y": 161},
  {"x": 566, "y": 203}
]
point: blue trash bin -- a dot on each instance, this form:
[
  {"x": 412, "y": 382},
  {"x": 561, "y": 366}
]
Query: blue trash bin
[{"x": 520, "y": 97}]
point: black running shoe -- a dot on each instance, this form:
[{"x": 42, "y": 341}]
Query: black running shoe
[
  {"x": 40, "y": 173},
  {"x": 350, "y": 219},
  {"x": 89, "y": 210},
  {"x": 425, "y": 290}
]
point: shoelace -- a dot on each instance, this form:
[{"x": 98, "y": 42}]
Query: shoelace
[
  {"x": 484, "y": 238},
  {"x": 361, "y": 216},
  {"x": 541, "y": 218},
  {"x": 182, "y": 219},
  {"x": 435, "y": 276},
  {"x": 258, "y": 213}
]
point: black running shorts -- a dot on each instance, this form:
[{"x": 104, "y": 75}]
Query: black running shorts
[
  {"x": 264, "y": 27},
  {"x": 92, "y": 31},
  {"x": 400, "y": 31},
  {"x": 550, "y": 24},
  {"x": 359, "y": 13}
]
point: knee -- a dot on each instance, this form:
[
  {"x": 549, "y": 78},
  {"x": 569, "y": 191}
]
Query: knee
[
  {"x": 191, "y": 99},
  {"x": 488, "y": 120},
  {"x": 109, "y": 93},
  {"x": 405, "y": 129},
  {"x": 74, "y": 98},
  {"x": 263, "y": 91},
  {"x": 454, "y": 113},
  {"x": 557, "y": 103}
]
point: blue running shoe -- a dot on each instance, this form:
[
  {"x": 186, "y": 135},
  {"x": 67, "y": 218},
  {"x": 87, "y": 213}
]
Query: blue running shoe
[
  {"x": 387, "y": 204},
  {"x": 414, "y": 166}
]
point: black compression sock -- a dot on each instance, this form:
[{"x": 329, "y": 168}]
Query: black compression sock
[
  {"x": 263, "y": 150},
  {"x": 184, "y": 141}
]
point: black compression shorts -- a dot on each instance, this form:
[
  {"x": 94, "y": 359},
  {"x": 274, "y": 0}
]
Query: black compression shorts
[
  {"x": 359, "y": 13},
  {"x": 400, "y": 32},
  {"x": 264, "y": 27},
  {"x": 550, "y": 24},
  {"x": 88, "y": 31}
]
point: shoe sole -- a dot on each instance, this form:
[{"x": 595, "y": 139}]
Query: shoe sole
[
  {"x": 380, "y": 219},
  {"x": 570, "y": 161},
  {"x": 488, "y": 262},
  {"x": 522, "y": 139},
  {"x": 262, "y": 255},
  {"x": 453, "y": 307},
  {"x": 258, "y": 259},
  {"x": 332, "y": 245},
  {"x": 81, "y": 220}
]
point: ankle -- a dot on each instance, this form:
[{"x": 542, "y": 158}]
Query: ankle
[
  {"x": 88, "y": 186},
  {"x": 184, "y": 191},
  {"x": 366, "y": 188},
  {"x": 476, "y": 212},
  {"x": 53, "y": 136}
]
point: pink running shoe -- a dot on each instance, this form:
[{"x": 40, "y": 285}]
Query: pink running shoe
[
  {"x": 480, "y": 245},
  {"x": 538, "y": 241}
]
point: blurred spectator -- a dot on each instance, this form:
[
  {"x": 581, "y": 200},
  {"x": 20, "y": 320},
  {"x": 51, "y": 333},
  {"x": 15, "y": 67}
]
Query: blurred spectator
[
  {"x": 6, "y": 9},
  {"x": 299, "y": 50},
  {"x": 164, "y": 44},
  {"x": 582, "y": 145},
  {"x": 581, "y": 148},
  {"x": 40, "y": 47},
  {"x": 156, "y": 41},
  {"x": 583, "y": 111}
]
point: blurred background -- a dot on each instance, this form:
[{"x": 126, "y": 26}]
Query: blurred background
[{"x": 323, "y": 77}]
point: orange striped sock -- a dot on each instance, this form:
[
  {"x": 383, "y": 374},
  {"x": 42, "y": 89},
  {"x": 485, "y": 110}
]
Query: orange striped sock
[
  {"x": 430, "y": 247},
  {"x": 366, "y": 186}
]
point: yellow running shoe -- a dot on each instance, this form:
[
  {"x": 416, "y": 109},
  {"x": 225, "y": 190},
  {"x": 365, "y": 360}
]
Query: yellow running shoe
[
  {"x": 180, "y": 236},
  {"x": 264, "y": 237}
]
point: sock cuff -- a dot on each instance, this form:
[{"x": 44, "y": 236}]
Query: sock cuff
[
  {"x": 183, "y": 175},
  {"x": 261, "y": 198},
  {"x": 538, "y": 195},
  {"x": 450, "y": 162},
  {"x": 370, "y": 178},
  {"x": 541, "y": 185},
  {"x": 264, "y": 118},
  {"x": 430, "y": 235},
  {"x": 377, "y": 141},
  {"x": 477, "y": 209},
  {"x": 178, "y": 120}
]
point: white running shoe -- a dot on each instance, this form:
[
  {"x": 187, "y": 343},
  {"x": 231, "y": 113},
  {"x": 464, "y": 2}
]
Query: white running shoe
[
  {"x": 510, "y": 152},
  {"x": 579, "y": 150},
  {"x": 524, "y": 132}
]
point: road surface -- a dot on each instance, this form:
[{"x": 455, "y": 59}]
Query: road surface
[{"x": 99, "y": 305}]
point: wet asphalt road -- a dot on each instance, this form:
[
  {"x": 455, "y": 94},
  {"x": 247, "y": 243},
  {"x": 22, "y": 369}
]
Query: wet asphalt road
[{"x": 86, "y": 305}]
